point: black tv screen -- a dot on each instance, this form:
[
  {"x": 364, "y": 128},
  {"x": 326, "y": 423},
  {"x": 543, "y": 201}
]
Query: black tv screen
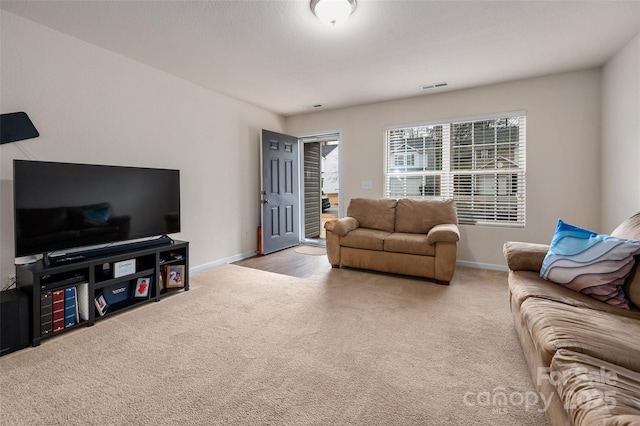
[{"x": 62, "y": 206}]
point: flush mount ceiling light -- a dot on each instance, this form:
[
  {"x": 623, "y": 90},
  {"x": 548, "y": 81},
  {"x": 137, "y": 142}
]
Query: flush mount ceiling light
[{"x": 333, "y": 12}]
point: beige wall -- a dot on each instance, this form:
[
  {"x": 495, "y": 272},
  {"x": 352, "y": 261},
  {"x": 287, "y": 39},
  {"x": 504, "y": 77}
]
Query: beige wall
[
  {"x": 563, "y": 150},
  {"x": 93, "y": 106},
  {"x": 621, "y": 136}
]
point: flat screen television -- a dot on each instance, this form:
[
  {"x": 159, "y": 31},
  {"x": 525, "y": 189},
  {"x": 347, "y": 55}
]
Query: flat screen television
[{"x": 61, "y": 207}]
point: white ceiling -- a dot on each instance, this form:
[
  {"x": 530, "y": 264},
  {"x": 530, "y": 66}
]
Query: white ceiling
[{"x": 277, "y": 54}]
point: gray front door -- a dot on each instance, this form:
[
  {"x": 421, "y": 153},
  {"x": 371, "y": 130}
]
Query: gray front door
[{"x": 280, "y": 192}]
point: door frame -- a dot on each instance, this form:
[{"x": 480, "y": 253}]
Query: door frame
[{"x": 310, "y": 138}]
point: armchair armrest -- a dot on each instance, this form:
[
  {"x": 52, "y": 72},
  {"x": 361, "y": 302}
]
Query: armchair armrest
[
  {"x": 342, "y": 226},
  {"x": 446, "y": 233},
  {"x": 524, "y": 256}
]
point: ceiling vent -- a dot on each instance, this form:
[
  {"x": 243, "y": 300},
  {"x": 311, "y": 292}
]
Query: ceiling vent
[{"x": 434, "y": 86}]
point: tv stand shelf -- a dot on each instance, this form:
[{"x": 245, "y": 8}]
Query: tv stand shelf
[
  {"x": 163, "y": 268},
  {"x": 112, "y": 281}
]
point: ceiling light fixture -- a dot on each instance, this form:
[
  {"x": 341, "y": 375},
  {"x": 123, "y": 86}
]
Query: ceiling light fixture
[{"x": 333, "y": 12}]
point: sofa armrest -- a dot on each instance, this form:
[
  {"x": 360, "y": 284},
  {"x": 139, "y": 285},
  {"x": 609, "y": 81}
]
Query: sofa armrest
[
  {"x": 342, "y": 226},
  {"x": 524, "y": 256},
  {"x": 445, "y": 232}
]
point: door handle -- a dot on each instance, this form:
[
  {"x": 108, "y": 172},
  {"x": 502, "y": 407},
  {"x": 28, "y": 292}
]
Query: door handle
[{"x": 264, "y": 201}]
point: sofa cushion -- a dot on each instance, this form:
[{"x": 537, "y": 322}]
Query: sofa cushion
[
  {"x": 593, "y": 264},
  {"x": 630, "y": 229},
  {"x": 374, "y": 213},
  {"x": 419, "y": 216},
  {"x": 603, "y": 335},
  {"x": 399, "y": 242},
  {"x": 528, "y": 284},
  {"x": 632, "y": 286},
  {"x": 596, "y": 392},
  {"x": 364, "y": 238}
]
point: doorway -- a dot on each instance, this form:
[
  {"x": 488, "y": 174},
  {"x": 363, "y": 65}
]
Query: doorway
[
  {"x": 297, "y": 201},
  {"x": 320, "y": 180}
]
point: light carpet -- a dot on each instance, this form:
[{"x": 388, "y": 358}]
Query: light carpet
[{"x": 248, "y": 347}]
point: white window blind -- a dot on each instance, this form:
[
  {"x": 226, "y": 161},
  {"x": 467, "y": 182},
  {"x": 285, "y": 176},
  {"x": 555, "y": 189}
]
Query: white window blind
[{"x": 479, "y": 163}]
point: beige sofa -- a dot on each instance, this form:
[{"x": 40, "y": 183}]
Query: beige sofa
[
  {"x": 583, "y": 355},
  {"x": 411, "y": 237}
]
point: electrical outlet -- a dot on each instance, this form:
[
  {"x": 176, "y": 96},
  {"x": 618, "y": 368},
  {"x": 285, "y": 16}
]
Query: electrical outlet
[
  {"x": 246, "y": 234},
  {"x": 366, "y": 184}
]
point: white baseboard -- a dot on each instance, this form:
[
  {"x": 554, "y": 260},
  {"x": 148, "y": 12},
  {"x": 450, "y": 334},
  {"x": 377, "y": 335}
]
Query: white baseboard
[
  {"x": 221, "y": 262},
  {"x": 479, "y": 265}
]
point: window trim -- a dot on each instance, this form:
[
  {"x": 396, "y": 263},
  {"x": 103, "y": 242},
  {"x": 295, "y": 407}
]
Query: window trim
[{"x": 456, "y": 119}]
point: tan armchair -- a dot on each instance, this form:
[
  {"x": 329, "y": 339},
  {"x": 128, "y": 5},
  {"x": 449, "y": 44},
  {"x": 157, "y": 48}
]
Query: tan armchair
[{"x": 410, "y": 237}]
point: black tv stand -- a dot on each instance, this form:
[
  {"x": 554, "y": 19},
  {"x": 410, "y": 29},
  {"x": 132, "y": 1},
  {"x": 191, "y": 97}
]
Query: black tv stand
[
  {"x": 85, "y": 253},
  {"x": 163, "y": 267}
]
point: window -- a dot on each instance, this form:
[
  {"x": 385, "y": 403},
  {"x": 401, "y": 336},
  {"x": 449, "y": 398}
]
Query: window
[{"x": 479, "y": 163}]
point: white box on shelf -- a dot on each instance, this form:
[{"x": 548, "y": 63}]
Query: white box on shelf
[{"x": 124, "y": 267}]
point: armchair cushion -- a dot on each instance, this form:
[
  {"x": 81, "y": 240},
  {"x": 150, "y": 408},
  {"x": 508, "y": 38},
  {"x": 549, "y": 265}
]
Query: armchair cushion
[
  {"x": 364, "y": 238},
  {"x": 399, "y": 242},
  {"x": 419, "y": 216},
  {"x": 374, "y": 213}
]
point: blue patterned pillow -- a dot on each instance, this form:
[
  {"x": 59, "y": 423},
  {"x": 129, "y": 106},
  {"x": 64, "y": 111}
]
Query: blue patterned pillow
[{"x": 593, "y": 264}]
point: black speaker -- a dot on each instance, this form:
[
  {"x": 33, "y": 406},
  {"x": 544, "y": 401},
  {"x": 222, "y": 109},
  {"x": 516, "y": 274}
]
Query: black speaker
[
  {"x": 16, "y": 126},
  {"x": 14, "y": 321}
]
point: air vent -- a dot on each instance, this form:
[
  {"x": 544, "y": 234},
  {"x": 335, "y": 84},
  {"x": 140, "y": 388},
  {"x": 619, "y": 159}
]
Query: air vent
[
  {"x": 312, "y": 106},
  {"x": 434, "y": 86}
]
